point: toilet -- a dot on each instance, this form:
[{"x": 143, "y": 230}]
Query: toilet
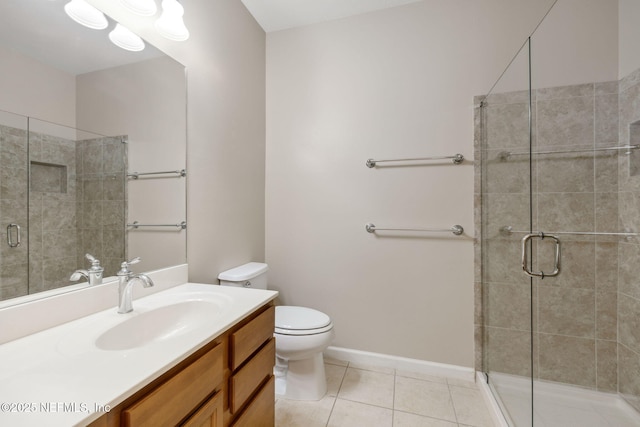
[{"x": 301, "y": 333}]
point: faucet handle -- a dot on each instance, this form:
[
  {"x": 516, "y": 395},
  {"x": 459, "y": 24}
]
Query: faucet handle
[
  {"x": 124, "y": 267},
  {"x": 95, "y": 262},
  {"x": 133, "y": 261}
]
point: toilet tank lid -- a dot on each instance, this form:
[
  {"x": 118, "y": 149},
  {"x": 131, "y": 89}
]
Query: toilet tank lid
[{"x": 244, "y": 272}]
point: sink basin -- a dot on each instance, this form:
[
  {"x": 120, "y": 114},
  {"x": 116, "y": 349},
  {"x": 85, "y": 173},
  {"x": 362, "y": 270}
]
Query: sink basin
[{"x": 158, "y": 324}]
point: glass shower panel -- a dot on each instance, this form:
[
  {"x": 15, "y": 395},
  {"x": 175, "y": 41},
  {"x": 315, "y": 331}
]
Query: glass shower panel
[
  {"x": 586, "y": 351},
  {"x": 505, "y": 142},
  {"x": 14, "y": 190}
]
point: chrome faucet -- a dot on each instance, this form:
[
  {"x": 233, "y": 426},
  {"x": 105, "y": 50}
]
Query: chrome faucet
[
  {"x": 126, "y": 279},
  {"x": 93, "y": 274}
]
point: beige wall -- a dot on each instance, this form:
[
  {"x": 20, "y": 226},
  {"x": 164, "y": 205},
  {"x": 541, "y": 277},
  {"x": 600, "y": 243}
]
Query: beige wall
[
  {"x": 394, "y": 83},
  {"x": 34, "y": 89},
  {"x": 629, "y": 16},
  {"x": 576, "y": 43},
  {"x": 225, "y": 60}
]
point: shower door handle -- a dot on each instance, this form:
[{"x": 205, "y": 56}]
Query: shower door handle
[
  {"x": 10, "y": 241},
  {"x": 541, "y": 274}
]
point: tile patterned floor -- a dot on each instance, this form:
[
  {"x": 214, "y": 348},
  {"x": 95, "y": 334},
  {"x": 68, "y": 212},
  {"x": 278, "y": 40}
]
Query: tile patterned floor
[{"x": 366, "y": 396}]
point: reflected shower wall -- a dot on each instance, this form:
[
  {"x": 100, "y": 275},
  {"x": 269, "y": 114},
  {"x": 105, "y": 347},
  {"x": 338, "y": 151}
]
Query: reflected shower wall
[
  {"x": 67, "y": 191},
  {"x": 14, "y": 261}
]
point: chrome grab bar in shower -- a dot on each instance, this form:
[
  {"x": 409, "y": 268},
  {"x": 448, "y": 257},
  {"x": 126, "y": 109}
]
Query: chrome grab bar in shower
[
  {"x": 505, "y": 155},
  {"x": 457, "y": 159},
  {"x": 540, "y": 274},
  {"x": 136, "y": 224},
  {"x": 10, "y": 241},
  {"x": 135, "y": 175},
  {"x": 456, "y": 229}
]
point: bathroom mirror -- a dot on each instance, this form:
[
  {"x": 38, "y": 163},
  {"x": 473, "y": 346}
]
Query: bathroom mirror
[{"x": 87, "y": 131}]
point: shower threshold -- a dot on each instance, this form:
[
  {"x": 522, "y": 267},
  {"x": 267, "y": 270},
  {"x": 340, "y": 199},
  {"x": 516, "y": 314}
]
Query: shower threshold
[{"x": 559, "y": 405}]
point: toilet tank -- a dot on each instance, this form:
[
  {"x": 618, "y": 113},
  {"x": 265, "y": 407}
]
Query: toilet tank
[{"x": 250, "y": 275}]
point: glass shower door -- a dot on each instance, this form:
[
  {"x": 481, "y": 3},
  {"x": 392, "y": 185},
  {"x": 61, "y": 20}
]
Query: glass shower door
[
  {"x": 14, "y": 201},
  {"x": 504, "y": 120}
]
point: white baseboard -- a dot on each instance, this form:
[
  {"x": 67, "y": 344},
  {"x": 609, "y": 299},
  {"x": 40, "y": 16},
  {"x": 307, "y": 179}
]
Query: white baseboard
[{"x": 403, "y": 363}]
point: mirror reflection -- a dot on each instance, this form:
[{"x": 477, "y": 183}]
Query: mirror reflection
[{"x": 67, "y": 192}]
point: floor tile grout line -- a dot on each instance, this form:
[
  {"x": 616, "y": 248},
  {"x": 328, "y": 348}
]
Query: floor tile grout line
[
  {"x": 337, "y": 394},
  {"x": 455, "y": 413},
  {"x": 393, "y": 397}
]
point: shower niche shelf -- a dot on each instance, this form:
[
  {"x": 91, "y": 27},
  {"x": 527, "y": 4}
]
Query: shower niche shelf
[{"x": 48, "y": 177}]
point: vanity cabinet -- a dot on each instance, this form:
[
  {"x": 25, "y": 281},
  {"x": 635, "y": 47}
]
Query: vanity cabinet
[
  {"x": 227, "y": 382},
  {"x": 252, "y": 351}
]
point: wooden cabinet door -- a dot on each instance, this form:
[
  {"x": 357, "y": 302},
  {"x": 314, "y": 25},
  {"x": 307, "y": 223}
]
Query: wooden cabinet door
[
  {"x": 172, "y": 401},
  {"x": 261, "y": 411},
  {"x": 209, "y": 414},
  {"x": 246, "y": 340}
]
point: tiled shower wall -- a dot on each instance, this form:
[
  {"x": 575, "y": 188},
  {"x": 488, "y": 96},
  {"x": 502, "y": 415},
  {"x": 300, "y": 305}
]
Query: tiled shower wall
[
  {"x": 53, "y": 238},
  {"x": 629, "y": 252},
  {"x": 77, "y": 204},
  {"x": 586, "y": 320},
  {"x": 101, "y": 204}
]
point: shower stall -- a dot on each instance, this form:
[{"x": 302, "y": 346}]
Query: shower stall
[{"x": 557, "y": 145}]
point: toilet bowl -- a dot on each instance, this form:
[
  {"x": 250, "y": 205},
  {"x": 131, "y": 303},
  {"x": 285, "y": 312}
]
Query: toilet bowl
[{"x": 301, "y": 333}]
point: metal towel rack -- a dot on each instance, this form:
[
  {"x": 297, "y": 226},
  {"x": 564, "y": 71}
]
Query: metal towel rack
[
  {"x": 505, "y": 155},
  {"x": 136, "y": 224},
  {"x": 456, "y": 229},
  {"x": 457, "y": 159},
  {"x": 135, "y": 175}
]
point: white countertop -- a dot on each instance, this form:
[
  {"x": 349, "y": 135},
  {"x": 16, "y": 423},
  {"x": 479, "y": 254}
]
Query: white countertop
[{"x": 59, "y": 377}]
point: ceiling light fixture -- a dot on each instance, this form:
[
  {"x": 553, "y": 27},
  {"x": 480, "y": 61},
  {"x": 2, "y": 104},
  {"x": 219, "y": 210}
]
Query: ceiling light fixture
[
  {"x": 170, "y": 23},
  {"x": 124, "y": 38},
  {"x": 141, "y": 7},
  {"x": 85, "y": 14}
]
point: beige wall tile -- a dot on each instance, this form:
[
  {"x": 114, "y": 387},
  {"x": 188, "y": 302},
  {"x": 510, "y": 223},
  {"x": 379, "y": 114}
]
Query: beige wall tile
[
  {"x": 566, "y": 311},
  {"x": 629, "y": 322},
  {"x": 507, "y": 351},
  {"x": 607, "y": 366},
  {"x": 628, "y": 379},
  {"x": 568, "y": 360}
]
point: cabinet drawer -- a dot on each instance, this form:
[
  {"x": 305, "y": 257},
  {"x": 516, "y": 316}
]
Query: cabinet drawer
[
  {"x": 246, "y": 340},
  {"x": 186, "y": 390},
  {"x": 261, "y": 412},
  {"x": 209, "y": 414},
  {"x": 249, "y": 378}
]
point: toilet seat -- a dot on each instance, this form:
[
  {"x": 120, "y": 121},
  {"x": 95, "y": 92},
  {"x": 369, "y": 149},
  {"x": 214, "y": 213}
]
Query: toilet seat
[{"x": 293, "y": 320}]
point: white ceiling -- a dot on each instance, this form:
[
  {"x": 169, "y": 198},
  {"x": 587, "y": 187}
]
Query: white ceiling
[{"x": 274, "y": 15}]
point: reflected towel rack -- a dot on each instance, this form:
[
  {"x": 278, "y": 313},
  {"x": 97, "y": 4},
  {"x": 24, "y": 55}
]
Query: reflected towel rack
[
  {"x": 135, "y": 175},
  {"x": 136, "y": 224},
  {"x": 456, "y": 229},
  {"x": 457, "y": 159},
  {"x": 507, "y": 231},
  {"x": 505, "y": 155}
]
